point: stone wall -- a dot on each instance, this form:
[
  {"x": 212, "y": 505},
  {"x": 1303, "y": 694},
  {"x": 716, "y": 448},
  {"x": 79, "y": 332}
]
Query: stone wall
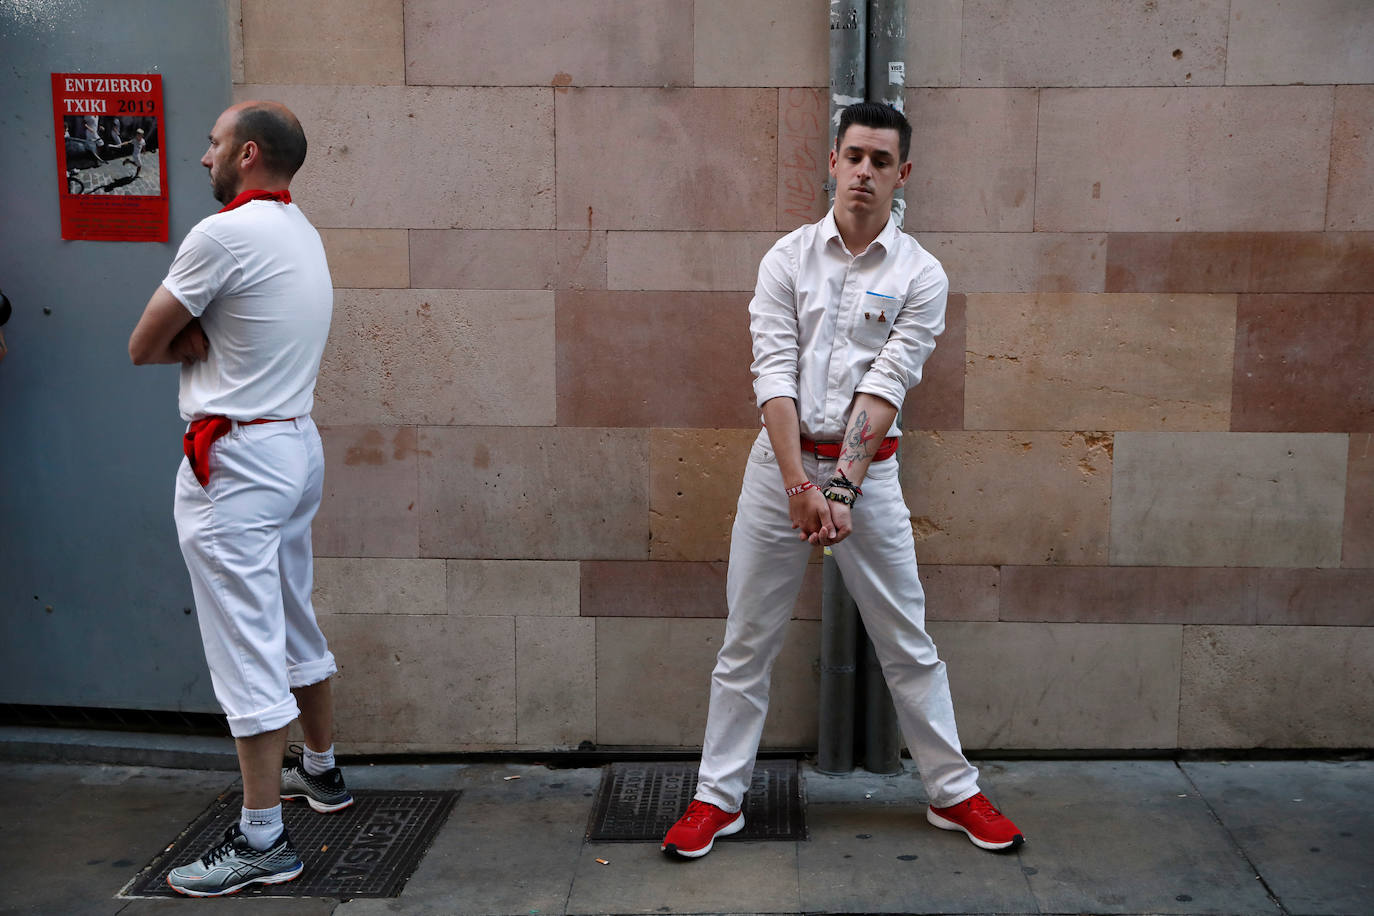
[{"x": 1141, "y": 466}]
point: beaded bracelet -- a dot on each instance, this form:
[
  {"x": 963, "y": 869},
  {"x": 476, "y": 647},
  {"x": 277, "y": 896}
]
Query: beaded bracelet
[
  {"x": 799, "y": 489},
  {"x": 838, "y": 497},
  {"x": 845, "y": 483}
]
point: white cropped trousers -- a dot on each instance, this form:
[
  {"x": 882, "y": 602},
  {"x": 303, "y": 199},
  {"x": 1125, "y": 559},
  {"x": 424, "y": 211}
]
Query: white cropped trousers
[
  {"x": 878, "y": 562},
  {"x": 246, "y": 541}
]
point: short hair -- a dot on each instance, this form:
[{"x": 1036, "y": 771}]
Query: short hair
[
  {"x": 879, "y": 116},
  {"x": 278, "y": 135}
]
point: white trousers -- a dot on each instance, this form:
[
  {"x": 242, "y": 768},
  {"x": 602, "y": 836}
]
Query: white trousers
[
  {"x": 246, "y": 540},
  {"x": 878, "y": 562}
]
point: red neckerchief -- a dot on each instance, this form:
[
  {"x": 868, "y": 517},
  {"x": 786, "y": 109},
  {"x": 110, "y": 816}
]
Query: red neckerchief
[{"x": 282, "y": 196}]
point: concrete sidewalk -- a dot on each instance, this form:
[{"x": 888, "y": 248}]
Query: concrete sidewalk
[{"x": 1103, "y": 836}]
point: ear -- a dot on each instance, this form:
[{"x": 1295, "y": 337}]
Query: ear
[
  {"x": 834, "y": 158},
  {"x": 902, "y": 174},
  {"x": 250, "y": 154}
]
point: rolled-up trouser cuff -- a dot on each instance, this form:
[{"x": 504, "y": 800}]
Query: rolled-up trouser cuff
[
  {"x": 715, "y": 798},
  {"x": 265, "y": 720},
  {"x": 955, "y": 799},
  {"x": 312, "y": 672}
]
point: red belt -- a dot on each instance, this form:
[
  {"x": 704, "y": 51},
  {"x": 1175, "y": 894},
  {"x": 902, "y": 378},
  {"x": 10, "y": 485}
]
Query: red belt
[
  {"x": 202, "y": 434},
  {"x": 887, "y": 449}
]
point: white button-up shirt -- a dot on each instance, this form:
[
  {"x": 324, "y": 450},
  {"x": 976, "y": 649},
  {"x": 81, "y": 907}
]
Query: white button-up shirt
[{"x": 827, "y": 324}]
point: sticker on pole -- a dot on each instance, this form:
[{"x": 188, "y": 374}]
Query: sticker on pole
[
  {"x": 110, "y": 135},
  {"x": 896, "y": 73}
]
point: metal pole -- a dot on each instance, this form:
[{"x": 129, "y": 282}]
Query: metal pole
[
  {"x": 839, "y": 616},
  {"x": 882, "y": 736},
  {"x": 885, "y": 82},
  {"x": 839, "y": 632},
  {"x": 886, "y": 66},
  {"x": 848, "y": 19}
]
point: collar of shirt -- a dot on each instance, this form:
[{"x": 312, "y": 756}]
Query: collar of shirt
[{"x": 830, "y": 232}]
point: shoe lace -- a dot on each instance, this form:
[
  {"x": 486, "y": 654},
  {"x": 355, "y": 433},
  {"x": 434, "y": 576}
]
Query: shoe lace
[
  {"x": 221, "y": 851},
  {"x": 980, "y": 806},
  {"x": 698, "y": 812}
]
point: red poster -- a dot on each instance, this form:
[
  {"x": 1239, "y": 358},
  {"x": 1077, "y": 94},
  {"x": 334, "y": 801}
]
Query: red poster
[{"x": 111, "y": 156}]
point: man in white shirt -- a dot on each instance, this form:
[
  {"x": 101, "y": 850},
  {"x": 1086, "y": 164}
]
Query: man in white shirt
[
  {"x": 844, "y": 315},
  {"x": 91, "y": 124},
  {"x": 245, "y": 308},
  {"x": 137, "y": 145}
]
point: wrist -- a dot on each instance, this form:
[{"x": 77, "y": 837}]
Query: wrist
[
  {"x": 799, "y": 489},
  {"x": 841, "y": 489},
  {"x": 836, "y": 495}
]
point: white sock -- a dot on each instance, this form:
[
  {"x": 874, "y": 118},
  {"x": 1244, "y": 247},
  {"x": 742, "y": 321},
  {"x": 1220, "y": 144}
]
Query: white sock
[
  {"x": 317, "y": 763},
  {"x": 261, "y": 827}
]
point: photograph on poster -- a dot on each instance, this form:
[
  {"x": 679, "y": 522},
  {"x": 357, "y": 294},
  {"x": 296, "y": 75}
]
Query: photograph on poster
[
  {"x": 110, "y": 135},
  {"x": 112, "y": 155}
]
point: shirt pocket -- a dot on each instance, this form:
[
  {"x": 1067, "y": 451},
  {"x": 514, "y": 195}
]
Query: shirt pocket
[{"x": 873, "y": 319}]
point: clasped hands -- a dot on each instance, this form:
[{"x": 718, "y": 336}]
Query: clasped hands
[
  {"x": 819, "y": 520},
  {"x": 190, "y": 345}
]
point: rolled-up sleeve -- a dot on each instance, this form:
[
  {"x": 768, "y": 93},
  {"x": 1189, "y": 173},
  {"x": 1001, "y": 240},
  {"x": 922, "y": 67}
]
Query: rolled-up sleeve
[
  {"x": 897, "y": 367},
  {"x": 773, "y": 328}
]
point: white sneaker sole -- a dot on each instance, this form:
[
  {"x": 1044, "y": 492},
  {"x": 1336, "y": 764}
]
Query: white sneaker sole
[
  {"x": 946, "y": 824},
  {"x": 320, "y": 806},
  {"x": 734, "y": 826},
  {"x": 266, "y": 879}
]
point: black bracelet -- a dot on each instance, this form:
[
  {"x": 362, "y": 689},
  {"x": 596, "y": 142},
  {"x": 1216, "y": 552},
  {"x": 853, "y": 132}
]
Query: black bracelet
[
  {"x": 845, "y": 483},
  {"x": 838, "y": 497}
]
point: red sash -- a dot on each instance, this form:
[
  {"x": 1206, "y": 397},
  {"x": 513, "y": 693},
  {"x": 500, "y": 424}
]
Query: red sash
[{"x": 202, "y": 434}]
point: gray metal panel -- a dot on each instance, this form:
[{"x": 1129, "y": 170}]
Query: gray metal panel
[{"x": 88, "y": 443}]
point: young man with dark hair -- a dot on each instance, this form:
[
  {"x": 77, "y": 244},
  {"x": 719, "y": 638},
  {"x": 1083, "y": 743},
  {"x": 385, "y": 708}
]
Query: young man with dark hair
[
  {"x": 245, "y": 308},
  {"x": 844, "y": 315}
]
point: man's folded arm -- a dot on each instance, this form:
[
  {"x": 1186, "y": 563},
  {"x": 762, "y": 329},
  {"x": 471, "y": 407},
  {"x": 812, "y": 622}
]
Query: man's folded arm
[{"x": 163, "y": 319}]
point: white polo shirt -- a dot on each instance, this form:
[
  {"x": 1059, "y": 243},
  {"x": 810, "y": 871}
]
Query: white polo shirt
[
  {"x": 827, "y": 325},
  {"x": 257, "y": 279}
]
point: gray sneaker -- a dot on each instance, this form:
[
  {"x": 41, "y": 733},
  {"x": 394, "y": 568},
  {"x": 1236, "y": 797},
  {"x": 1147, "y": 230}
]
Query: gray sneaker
[
  {"x": 233, "y": 865},
  {"x": 325, "y": 792}
]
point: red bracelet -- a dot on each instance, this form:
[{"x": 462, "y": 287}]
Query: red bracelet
[{"x": 799, "y": 489}]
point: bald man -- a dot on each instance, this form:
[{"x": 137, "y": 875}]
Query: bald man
[{"x": 245, "y": 310}]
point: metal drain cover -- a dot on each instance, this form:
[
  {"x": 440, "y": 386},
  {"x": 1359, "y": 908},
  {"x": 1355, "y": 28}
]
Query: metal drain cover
[
  {"x": 369, "y": 849},
  {"x": 638, "y": 802}
]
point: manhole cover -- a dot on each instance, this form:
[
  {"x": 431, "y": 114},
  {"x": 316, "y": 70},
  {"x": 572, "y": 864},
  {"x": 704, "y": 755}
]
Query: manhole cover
[
  {"x": 638, "y": 802},
  {"x": 369, "y": 849}
]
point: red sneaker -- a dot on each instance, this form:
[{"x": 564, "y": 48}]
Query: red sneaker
[
  {"x": 695, "y": 832},
  {"x": 985, "y": 825}
]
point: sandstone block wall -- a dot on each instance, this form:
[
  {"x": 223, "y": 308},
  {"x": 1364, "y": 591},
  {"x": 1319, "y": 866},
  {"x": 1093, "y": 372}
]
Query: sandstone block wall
[{"x": 1140, "y": 467}]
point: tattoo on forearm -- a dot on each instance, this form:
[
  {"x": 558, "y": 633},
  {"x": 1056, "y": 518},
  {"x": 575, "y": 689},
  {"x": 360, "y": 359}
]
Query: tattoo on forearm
[{"x": 857, "y": 447}]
